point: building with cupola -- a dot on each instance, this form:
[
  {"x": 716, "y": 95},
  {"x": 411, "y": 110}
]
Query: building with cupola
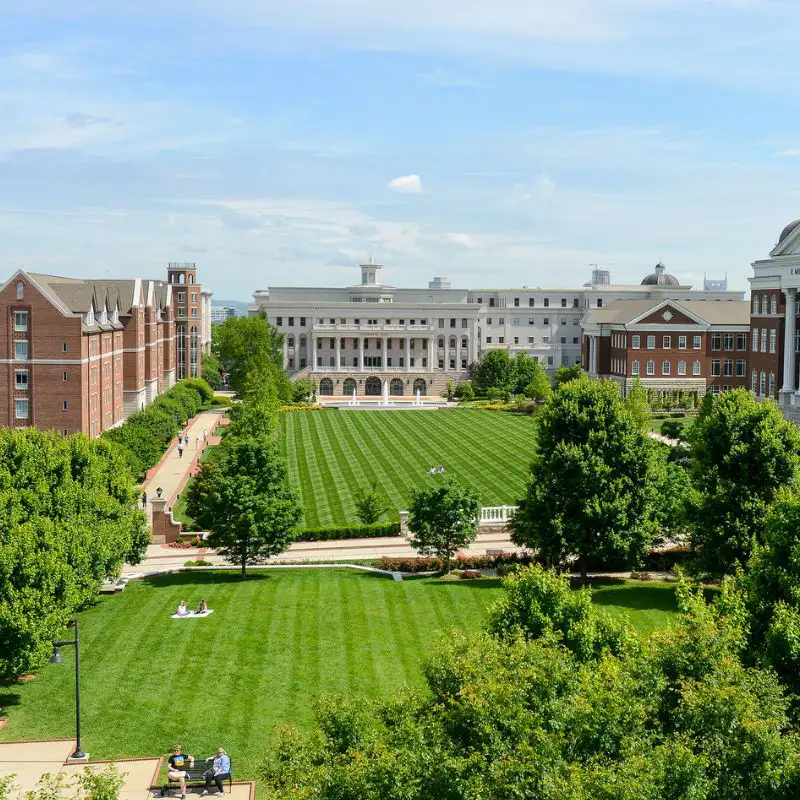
[{"x": 355, "y": 338}]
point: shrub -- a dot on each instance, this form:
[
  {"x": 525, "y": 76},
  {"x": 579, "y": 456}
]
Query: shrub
[
  {"x": 411, "y": 564},
  {"x": 200, "y": 562},
  {"x": 334, "y": 532},
  {"x": 671, "y": 428},
  {"x": 464, "y": 391},
  {"x": 467, "y": 574},
  {"x": 102, "y": 785}
]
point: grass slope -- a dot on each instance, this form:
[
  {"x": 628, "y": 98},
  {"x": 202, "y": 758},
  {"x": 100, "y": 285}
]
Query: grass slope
[
  {"x": 273, "y": 643},
  {"x": 333, "y": 454}
]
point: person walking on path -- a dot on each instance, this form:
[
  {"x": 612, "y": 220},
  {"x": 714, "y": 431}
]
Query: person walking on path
[
  {"x": 197, "y": 444},
  {"x": 144, "y": 499},
  {"x": 180, "y": 437},
  {"x": 180, "y": 449},
  {"x": 205, "y": 435}
]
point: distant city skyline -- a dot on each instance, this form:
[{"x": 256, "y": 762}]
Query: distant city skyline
[{"x": 513, "y": 142}]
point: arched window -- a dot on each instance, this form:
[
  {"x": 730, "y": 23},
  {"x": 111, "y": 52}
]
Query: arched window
[
  {"x": 372, "y": 387},
  {"x": 326, "y": 386},
  {"x": 763, "y": 304},
  {"x": 302, "y": 341},
  {"x": 773, "y": 305},
  {"x": 191, "y": 278},
  {"x": 440, "y": 342},
  {"x": 290, "y": 341},
  {"x": 349, "y": 387},
  {"x": 20, "y": 290},
  {"x": 755, "y": 304},
  {"x": 180, "y": 278},
  {"x": 420, "y": 386},
  {"x": 396, "y": 386}
]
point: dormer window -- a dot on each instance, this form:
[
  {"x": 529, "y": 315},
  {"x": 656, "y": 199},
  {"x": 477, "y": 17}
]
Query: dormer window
[
  {"x": 115, "y": 316},
  {"x": 88, "y": 318},
  {"x": 20, "y": 290},
  {"x": 103, "y": 317}
]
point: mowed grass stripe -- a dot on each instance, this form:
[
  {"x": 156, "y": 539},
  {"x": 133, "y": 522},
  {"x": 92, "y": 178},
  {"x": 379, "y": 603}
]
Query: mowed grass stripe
[{"x": 337, "y": 453}]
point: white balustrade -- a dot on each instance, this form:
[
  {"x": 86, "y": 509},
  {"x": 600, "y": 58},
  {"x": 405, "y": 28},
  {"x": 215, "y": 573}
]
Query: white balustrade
[{"x": 487, "y": 514}]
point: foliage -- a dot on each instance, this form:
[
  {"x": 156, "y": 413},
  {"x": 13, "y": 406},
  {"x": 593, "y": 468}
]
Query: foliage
[
  {"x": 675, "y": 496},
  {"x": 145, "y": 435},
  {"x": 443, "y": 518},
  {"x": 333, "y": 532},
  {"x": 51, "y": 786},
  {"x": 212, "y": 370},
  {"x": 257, "y": 414},
  {"x": 566, "y": 374},
  {"x": 743, "y": 453},
  {"x": 539, "y": 604},
  {"x": 303, "y": 391},
  {"x": 538, "y": 387},
  {"x": 636, "y": 404},
  {"x": 678, "y": 717},
  {"x": 7, "y": 786},
  {"x": 525, "y": 370},
  {"x": 672, "y": 429},
  {"x": 416, "y": 564},
  {"x": 68, "y": 518},
  {"x": 101, "y": 784},
  {"x": 493, "y": 371},
  {"x": 594, "y": 479},
  {"x": 370, "y": 504},
  {"x": 251, "y": 511},
  {"x": 245, "y": 345},
  {"x": 464, "y": 390}
]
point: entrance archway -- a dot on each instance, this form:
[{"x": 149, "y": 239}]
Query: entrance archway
[
  {"x": 349, "y": 387},
  {"x": 372, "y": 387},
  {"x": 326, "y": 386},
  {"x": 421, "y": 386},
  {"x": 396, "y": 386}
]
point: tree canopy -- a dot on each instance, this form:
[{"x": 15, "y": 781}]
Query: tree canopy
[
  {"x": 496, "y": 370},
  {"x": 743, "y": 453},
  {"x": 593, "y": 489},
  {"x": 68, "y": 518}
]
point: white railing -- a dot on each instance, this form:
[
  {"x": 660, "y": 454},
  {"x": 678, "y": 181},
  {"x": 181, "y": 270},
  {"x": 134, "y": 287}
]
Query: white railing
[
  {"x": 322, "y": 327},
  {"x": 487, "y": 514}
]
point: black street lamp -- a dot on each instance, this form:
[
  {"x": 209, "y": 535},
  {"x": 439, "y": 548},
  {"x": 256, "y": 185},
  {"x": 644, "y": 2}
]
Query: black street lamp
[{"x": 57, "y": 658}]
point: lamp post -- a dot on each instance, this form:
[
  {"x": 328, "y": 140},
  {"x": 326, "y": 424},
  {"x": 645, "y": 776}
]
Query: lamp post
[{"x": 57, "y": 658}]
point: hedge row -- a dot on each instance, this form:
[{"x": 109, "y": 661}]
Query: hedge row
[
  {"x": 461, "y": 562},
  {"x": 349, "y": 532},
  {"x": 145, "y": 435}
]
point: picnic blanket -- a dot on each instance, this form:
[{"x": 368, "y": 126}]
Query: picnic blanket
[{"x": 193, "y": 614}]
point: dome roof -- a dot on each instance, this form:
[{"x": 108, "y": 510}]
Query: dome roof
[
  {"x": 659, "y": 277},
  {"x": 788, "y": 229}
]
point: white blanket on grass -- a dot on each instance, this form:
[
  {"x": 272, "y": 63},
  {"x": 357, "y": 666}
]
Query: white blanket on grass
[{"x": 194, "y": 614}]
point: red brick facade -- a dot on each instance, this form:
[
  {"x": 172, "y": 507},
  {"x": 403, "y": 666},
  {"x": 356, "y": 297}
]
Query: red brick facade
[{"x": 79, "y": 356}]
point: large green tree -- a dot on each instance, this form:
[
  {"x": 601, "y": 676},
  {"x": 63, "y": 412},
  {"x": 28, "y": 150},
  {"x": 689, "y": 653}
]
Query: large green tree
[
  {"x": 594, "y": 479},
  {"x": 247, "y": 344},
  {"x": 443, "y": 518},
  {"x": 493, "y": 371},
  {"x": 743, "y": 453},
  {"x": 251, "y": 511},
  {"x": 566, "y": 374},
  {"x": 68, "y": 518},
  {"x": 211, "y": 370}
]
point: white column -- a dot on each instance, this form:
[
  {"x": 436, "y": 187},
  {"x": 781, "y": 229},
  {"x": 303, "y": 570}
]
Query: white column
[
  {"x": 338, "y": 354},
  {"x": 593, "y": 356},
  {"x": 447, "y": 351},
  {"x": 408, "y": 354},
  {"x": 430, "y": 354},
  {"x": 361, "y": 353},
  {"x": 788, "y": 343},
  {"x": 384, "y": 353},
  {"x": 285, "y": 352}
]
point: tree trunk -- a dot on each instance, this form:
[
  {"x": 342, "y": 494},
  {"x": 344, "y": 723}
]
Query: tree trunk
[
  {"x": 584, "y": 575},
  {"x": 244, "y": 567}
]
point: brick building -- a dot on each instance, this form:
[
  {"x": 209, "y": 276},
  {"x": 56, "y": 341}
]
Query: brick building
[
  {"x": 670, "y": 346},
  {"x": 81, "y": 355}
]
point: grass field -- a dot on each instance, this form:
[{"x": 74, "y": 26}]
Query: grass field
[
  {"x": 333, "y": 454},
  {"x": 273, "y": 643}
]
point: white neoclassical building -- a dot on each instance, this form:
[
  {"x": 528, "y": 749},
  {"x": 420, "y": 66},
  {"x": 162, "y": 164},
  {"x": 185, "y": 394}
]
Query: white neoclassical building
[{"x": 355, "y": 338}]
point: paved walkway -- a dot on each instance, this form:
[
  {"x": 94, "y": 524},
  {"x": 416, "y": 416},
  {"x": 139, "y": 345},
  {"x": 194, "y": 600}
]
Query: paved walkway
[{"x": 172, "y": 472}]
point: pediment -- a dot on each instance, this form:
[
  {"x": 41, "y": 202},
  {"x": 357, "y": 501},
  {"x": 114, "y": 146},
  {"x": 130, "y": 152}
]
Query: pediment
[{"x": 667, "y": 313}]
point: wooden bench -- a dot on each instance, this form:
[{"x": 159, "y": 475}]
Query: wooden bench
[
  {"x": 495, "y": 553},
  {"x": 196, "y": 775}
]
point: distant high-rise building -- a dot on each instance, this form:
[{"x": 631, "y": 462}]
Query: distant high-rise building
[
  {"x": 439, "y": 283},
  {"x": 715, "y": 286},
  {"x": 601, "y": 277},
  {"x": 221, "y": 313}
]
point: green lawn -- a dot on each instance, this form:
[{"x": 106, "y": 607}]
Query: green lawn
[
  {"x": 274, "y": 642},
  {"x": 333, "y": 454},
  {"x": 648, "y": 606},
  {"x": 684, "y": 422}
]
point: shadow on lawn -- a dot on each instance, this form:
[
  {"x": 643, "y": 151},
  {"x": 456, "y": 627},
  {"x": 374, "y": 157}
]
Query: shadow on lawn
[
  {"x": 641, "y": 598},
  {"x": 8, "y": 699},
  {"x": 472, "y": 583},
  {"x": 210, "y": 577}
]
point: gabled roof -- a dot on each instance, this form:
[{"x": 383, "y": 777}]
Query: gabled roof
[{"x": 713, "y": 312}]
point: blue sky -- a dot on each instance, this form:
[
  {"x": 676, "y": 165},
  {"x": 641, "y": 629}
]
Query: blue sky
[{"x": 510, "y": 143}]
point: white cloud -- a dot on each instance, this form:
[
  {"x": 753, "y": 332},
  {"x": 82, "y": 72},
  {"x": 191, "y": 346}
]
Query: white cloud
[{"x": 408, "y": 184}]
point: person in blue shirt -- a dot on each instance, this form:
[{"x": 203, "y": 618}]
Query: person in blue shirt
[{"x": 220, "y": 770}]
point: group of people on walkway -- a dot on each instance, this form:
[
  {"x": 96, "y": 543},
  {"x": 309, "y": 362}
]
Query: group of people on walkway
[
  {"x": 183, "y": 441},
  {"x": 219, "y": 769}
]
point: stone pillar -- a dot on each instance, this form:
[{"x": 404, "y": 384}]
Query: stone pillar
[
  {"x": 593, "y": 355},
  {"x": 430, "y": 354},
  {"x": 384, "y": 353},
  {"x": 788, "y": 344},
  {"x": 338, "y": 354},
  {"x": 285, "y": 352},
  {"x": 447, "y": 352},
  {"x": 361, "y": 353},
  {"x": 408, "y": 353}
]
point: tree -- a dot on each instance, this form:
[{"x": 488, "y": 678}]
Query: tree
[
  {"x": 68, "y": 518},
  {"x": 211, "y": 370},
  {"x": 303, "y": 391},
  {"x": 251, "y": 511},
  {"x": 248, "y": 344},
  {"x": 671, "y": 429},
  {"x": 522, "y": 370},
  {"x": 370, "y": 505},
  {"x": 493, "y": 371},
  {"x": 443, "y": 518},
  {"x": 637, "y": 406},
  {"x": 743, "y": 453},
  {"x": 538, "y": 388},
  {"x": 464, "y": 391},
  {"x": 566, "y": 374},
  {"x": 594, "y": 479}
]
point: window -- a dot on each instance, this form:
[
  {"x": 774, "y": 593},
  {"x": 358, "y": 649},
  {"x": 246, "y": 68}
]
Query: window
[
  {"x": 772, "y": 383},
  {"x": 681, "y": 343},
  {"x": 755, "y": 311},
  {"x": 763, "y": 306},
  {"x": 545, "y": 340},
  {"x": 762, "y": 383},
  {"x": 697, "y": 342},
  {"x": 716, "y": 341},
  {"x": 665, "y": 367},
  {"x": 488, "y": 320},
  {"x": 574, "y": 340},
  {"x": 635, "y": 368},
  {"x": 302, "y": 322},
  {"x": 491, "y": 302},
  {"x": 488, "y": 340},
  {"x": 547, "y": 302},
  {"x": 21, "y": 408},
  {"x": 727, "y": 368},
  {"x": 531, "y": 340},
  {"x": 64, "y": 347},
  {"x": 65, "y": 376},
  {"x": 696, "y": 368},
  {"x": 20, "y": 290},
  {"x": 741, "y": 341},
  {"x": 772, "y": 339},
  {"x": 563, "y": 302},
  {"x": 464, "y": 322},
  {"x": 635, "y": 341},
  {"x": 729, "y": 341},
  {"x": 763, "y": 340},
  {"x": 441, "y": 322},
  {"x": 599, "y": 302},
  {"x": 773, "y": 307},
  {"x": 20, "y": 321},
  {"x": 666, "y": 342},
  {"x": 563, "y": 340},
  {"x": 651, "y": 342},
  {"x": 575, "y": 321},
  {"x": 681, "y": 368},
  {"x": 278, "y": 321},
  {"x": 531, "y": 302},
  {"x": 547, "y": 320},
  {"x": 574, "y": 302},
  {"x": 501, "y": 339},
  {"x": 549, "y": 361},
  {"x": 516, "y": 302},
  {"x": 651, "y": 367},
  {"x": 290, "y": 341},
  {"x": 21, "y": 379},
  {"x": 515, "y": 321},
  {"x": 715, "y": 367},
  {"x": 65, "y": 405},
  {"x": 741, "y": 368},
  {"x": 21, "y": 351},
  {"x": 501, "y": 321},
  {"x": 754, "y": 339},
  {"x": 754, "y": 376},
  {"x": 516, "y": 340}
]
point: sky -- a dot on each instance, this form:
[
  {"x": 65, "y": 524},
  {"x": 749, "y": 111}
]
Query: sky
[{"x": 493, "y": 142}]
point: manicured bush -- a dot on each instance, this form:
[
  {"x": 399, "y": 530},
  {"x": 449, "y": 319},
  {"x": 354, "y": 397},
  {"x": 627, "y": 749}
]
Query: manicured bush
[
  {"x": 334, "y": 532},
  {"x": 460, "y": 562}
]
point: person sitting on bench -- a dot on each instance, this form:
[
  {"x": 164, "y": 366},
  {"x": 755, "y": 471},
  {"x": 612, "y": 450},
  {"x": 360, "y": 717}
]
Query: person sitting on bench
[
  {"x": 219, "y": 770},
  {"x": 179, "y": 765}
]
